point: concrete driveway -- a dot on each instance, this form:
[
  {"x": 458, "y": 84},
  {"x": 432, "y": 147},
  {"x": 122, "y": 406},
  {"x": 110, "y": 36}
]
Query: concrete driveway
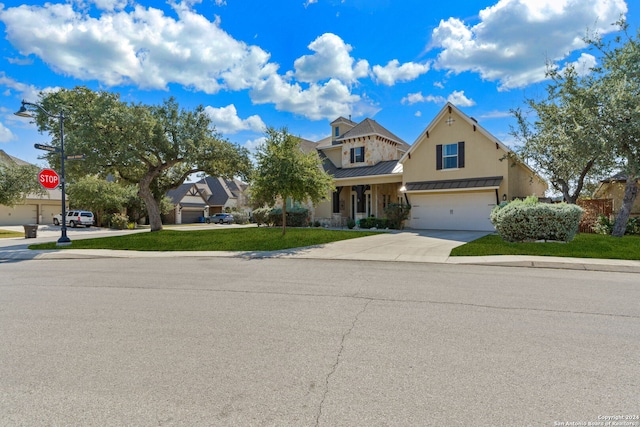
[{"x": 406, "y": 245}]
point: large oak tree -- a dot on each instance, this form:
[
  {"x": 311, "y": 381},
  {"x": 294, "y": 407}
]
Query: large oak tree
[{"x": 155, "y": 147}]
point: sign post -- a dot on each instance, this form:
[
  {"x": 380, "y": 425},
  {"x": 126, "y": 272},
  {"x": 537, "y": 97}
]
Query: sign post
[{"x": 48, "y": 178}]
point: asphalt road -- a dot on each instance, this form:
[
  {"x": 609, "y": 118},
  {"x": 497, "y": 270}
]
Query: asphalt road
[{"x": 278, "y": 342}]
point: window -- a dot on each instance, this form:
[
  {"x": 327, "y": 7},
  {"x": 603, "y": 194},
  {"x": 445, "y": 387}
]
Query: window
[
  {"x": 450, "y": 156},
  {"x": 357, "y": 155},
  {"x": 337, "y": 131}
]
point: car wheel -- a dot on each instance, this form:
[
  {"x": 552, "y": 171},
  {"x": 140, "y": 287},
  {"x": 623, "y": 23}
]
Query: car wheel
[
  {"x": 55, "y": 221},
  {"x": 221, "y": 221},
  {"x": 72, "y": 224},
  {"x": 208, "y": 221},
  {"x": 88, "y": 225}
]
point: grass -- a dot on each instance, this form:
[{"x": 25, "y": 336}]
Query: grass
[
  {"x": 583, "y": 246},
  {"x": 6, "y": 234},
  {"x": 238, "y": 239}
]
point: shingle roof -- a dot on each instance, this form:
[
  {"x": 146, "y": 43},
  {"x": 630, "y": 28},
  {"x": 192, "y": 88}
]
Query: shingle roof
[
  {"x": 621, "y": 176},
  {"x": 8, "y": 159},
  {"x": 178, "y": 193},
  {"x": 371, "y": 127},
  {"x": 454, "y": 184}
]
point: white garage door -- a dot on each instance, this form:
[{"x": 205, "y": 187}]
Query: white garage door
[
  {"x": 18, "y": 215},
  {"x": 49, "y": 211},
  {"x": 452, "y": 211}
]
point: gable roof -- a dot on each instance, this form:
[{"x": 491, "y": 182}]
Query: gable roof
[
  {"x": 177, "y": 194},
  {"x": 371, "y": 127},
  {"x": 449, "y": 107},
  {"x": 222, "y": 189},
  {"x": 8, "y": 159}
]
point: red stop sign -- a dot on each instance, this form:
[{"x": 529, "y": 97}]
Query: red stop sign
[{"x": 49, "y": 178}]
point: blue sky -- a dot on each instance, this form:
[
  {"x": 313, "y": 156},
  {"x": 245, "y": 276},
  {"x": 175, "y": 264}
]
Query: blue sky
[{"x": 297, "y": 63}]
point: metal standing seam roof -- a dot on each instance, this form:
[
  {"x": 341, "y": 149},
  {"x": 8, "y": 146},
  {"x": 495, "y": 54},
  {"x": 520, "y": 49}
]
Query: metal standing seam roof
[
  {"x": 382, "y": 168},
  {"x": 454, "y": 184}
]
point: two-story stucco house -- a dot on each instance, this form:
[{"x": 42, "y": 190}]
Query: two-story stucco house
[{"x": 453, "y": 175}]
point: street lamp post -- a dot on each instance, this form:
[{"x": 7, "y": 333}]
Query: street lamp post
[{"x": 24, "y": 112}]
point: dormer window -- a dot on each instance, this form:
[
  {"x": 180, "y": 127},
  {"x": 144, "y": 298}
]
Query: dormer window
[
  {"x": 336, "y": 132},
  {"x": 357, "y": 155}
]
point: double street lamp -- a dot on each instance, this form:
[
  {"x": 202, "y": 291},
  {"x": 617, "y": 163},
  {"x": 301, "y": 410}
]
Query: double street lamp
[{"x": 26, "y": 112}]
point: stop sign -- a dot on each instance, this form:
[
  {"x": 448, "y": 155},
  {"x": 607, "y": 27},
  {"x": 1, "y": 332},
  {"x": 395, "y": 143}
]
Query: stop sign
[{"x": 49, "y": 178}]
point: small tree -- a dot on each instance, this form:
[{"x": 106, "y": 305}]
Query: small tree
[
  {"x": 16, "y": 182},
  {"x": 284, "y": 172}
]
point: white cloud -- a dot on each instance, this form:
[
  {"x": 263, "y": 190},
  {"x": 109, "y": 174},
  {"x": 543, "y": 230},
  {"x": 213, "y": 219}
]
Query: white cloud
[
  {"x": 331, "y": 59},
  {"x": 394, "y": 72},
  {"x": 226, "y": 120},
  {"x": 584, "y": 64},
  {"x": 252, "y": 144},
  {"x": 142, "y": 46},
  {"x": 515, "y": 38},
  {"x": 326, "y": 101},
  {"x": 457, "y": 98},
  {"x": 418, "y": 113},
  {"x": 23, "y": 91},
  {"x": 5, "y": 133}
]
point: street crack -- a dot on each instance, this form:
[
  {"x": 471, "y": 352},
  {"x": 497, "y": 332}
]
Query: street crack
[{"x": 338, "y": 357}]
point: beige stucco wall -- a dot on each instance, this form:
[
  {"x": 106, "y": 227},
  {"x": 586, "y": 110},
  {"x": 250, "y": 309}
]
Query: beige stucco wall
[
  {"x": 482, "y": 159},
  {"x": 615, "y": 191},
  {"x": 334, "y": 154}
]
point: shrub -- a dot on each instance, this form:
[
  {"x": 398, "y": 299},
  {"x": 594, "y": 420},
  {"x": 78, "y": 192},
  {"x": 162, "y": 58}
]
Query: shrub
[
  {"x": 350, "y": 223},
  {"x": 527, "y": 220},
  {"x": 397, "y": 214},
  {"x": 316, "y": 223},
  {"x": 296, "y": 217},
  {"x": 603, "y": 225},
  {"x": 261, "y": 216},
  {"x": 372, "y": 222},
  {"x": 119, "y": 221},
  {"x": 240, "y": 217}
]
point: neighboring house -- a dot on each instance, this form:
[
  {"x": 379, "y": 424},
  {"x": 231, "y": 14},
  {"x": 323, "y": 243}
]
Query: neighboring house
[
  {"x": 613, "y": 188},
  {"x": 224, "y": 194},
  {"x": 35, "y": 208},
  {"x": 208, "y": 196},
  {"x": 453, "y": 175}
]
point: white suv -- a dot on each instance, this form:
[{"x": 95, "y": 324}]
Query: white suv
[{"x": 75, "y": 218}]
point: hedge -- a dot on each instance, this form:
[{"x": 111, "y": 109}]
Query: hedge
[{"x": 520, "y": 221}]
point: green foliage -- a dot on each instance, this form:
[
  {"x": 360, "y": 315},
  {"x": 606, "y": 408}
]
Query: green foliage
[
  {"x": 16, "y": 182},
  {"x": 240, "y": 217},
  {"x": 582, "y": 246},
  {"x": 153, "y": 147},
  {"x": 372, "y": 222},
  {"x": 296, "y": 217},
  {"x": 118, "y": 221},
  {"x": 261, "y": 216},
  {"x": 316, "y": 223},
  {"x": 604, "y": 226},
  {"x": 564, "y": 141},
  {"x": 397, "y": 214},
  {"x": 96, "y": 194},
  {"x": 351, "y": 223},
  {"x": 521, "y": 221},
  {"x": 284, "y": 172},
  {"x": 232, "y": 239}
]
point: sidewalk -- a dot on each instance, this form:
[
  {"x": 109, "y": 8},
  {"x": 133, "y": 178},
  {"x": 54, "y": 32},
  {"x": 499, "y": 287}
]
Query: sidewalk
[{"x": 421, "y": 246}]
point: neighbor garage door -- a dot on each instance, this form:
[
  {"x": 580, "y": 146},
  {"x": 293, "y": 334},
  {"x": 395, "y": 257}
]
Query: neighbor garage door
[
  {"x": 18, "y": 215},
  {"x": 452, "y": 211},
  {"x": 191, "y": 216}
]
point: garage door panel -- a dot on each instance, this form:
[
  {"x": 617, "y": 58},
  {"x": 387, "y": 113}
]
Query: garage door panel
[
  {"x": 18, "y": 215},
  {"x": 452, "y": 211}
]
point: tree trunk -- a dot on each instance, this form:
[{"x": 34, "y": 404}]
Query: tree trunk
[
  {"x": 153, "y": 209},
  {"x": 630, "y": 193},
  {"x": 284, "y": 216}
]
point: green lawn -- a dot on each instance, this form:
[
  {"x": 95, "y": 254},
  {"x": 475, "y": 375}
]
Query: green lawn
[
  {"x": 236, "y": 239},
  {"x": 583, "y": 246},
  {"x": 6, "y": 233}
]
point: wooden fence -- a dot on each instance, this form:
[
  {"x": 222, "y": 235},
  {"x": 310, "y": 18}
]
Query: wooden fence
[{"x": 592, "y": 209}]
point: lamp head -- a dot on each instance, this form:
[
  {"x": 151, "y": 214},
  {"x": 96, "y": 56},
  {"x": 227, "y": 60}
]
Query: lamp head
[{"x": 23, "y": 112}]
